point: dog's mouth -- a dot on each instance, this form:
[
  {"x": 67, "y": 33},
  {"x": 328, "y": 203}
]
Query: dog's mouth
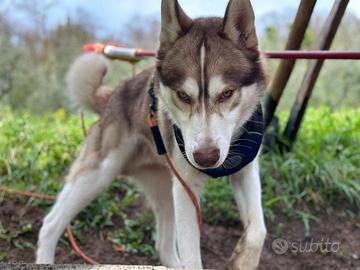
[
  {"x": 217, "y": 166},
  {"x": 200, "y": 167}
]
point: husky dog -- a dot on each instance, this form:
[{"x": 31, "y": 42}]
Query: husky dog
[{"x": 208, "y": 81}]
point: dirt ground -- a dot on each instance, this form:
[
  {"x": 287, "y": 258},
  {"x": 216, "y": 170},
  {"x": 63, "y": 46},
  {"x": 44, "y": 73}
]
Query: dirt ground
[{"x": 333, "y": 243}]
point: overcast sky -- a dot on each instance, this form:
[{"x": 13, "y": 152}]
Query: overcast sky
[{"x": 112, "y": 14}]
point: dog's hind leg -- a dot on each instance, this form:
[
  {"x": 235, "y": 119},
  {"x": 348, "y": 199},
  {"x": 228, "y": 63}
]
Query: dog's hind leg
[
  {"x": 247, "y": 191},
  {"x": 90, "y": 175},
  {"x": 156, "y": 183}
]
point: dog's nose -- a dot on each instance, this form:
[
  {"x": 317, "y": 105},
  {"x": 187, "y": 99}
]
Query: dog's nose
[{"x": 207, "y": 157}]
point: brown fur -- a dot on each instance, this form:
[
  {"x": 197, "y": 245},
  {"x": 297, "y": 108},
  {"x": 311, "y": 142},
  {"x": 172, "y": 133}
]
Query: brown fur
[
  {"x": 126, "y": 111},
  {"x": 223, "y": 57}
]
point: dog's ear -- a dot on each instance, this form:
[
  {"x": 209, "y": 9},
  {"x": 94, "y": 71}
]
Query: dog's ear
[
  {"x": 239, "y": 24},
  {"x": 174, "y": 22}
]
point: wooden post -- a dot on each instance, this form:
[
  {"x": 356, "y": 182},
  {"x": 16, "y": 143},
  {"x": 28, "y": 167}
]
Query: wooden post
[
  {"x": 286, "y": 66},
  {"x": 313, "y": 70}
]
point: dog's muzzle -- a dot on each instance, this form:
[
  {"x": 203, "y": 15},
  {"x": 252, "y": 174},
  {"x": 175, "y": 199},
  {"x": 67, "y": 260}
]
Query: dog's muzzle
[{"x": 243, "y": 149}]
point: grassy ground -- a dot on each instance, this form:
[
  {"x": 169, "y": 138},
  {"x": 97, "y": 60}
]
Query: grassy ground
[{"x": 321, "y": 173}]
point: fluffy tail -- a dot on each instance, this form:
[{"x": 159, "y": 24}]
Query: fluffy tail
[{"x": 85, "y": 82}]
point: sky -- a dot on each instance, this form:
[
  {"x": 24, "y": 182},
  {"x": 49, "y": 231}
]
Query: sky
[{"x": 112, "y": 14}]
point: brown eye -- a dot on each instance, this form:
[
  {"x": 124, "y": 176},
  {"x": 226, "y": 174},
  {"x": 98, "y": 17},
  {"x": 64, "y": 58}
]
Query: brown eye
[
  {"x": 226, "y": 95},
  {"x": 184, "y": 97}
]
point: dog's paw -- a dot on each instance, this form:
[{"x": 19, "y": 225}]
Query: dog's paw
[
  {"x": 240, "y": 263},
  {"x": 244, "y": 258}
]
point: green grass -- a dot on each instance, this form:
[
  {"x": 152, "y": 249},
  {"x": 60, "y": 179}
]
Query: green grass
[
  {"x": 323, "y": 169},
  {"x": 321, "y": 172}
]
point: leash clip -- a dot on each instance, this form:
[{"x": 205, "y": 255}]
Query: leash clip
[
  {"x": 152, "y": 119},
  {"x": 153, "y": 99}
]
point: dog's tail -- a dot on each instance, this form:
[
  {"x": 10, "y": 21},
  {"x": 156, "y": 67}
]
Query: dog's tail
[{"x": 85, "y": 81}]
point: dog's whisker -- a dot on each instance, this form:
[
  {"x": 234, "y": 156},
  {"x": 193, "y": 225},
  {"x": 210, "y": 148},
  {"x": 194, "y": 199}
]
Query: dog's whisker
[
  {"x": 256, "y": 122},
  {"x": 245, "y": 129},
  {"x": 246, "y": 146},
  {"x": 241, "y": 145},
  {"x": 249, "y": 140},
  {"x": 235, "y": 154}
]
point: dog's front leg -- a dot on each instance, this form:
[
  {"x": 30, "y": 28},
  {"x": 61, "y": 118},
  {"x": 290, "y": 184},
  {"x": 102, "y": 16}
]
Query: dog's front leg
[
  {"x": 187, "y": 229},
  {"x": 247, "y": 191}
]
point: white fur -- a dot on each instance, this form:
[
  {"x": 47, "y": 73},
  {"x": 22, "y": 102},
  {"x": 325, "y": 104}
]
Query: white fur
[
  {"x": 156, "y": 184},
  {"x": 85, "y": 76},
  {"x": 248, "y": 91},
  {"x": 216, "y": 86},
  {"x": 250, "y": 95},
  {"x": 75, "y": 196},
  {"x": 202, "y": 129},
  {"x": 166, "y": 104},
  {"x": 187, "y": 230},
  {"x": 247, "y": 192},
  {"x": 190, "y": 86},
  {"x": 202, "y": 67}
]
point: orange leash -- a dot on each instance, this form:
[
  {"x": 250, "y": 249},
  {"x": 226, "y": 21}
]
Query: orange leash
[
  {"x": 28, "y": 194},
  {"x": 188, "y": 191},
  {"x": 152, "y": 121},
  {"x": 77, "y": 248},
  {"x": 153, "y": 124},
  {"x": 73, "y": 243}
]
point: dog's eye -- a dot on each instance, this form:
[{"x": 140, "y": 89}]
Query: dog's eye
[
  {"x": 184, "y": 97},
  {"x": 226, "y": 95}
]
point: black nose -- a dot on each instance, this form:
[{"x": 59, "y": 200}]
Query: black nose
[{"x": 207, "y": 157}]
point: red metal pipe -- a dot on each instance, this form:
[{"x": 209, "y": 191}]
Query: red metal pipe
[
  {"x": 120, "y": 52},
  {"x": 339, "y": 55},
  {"x": 145, "y": 53}
]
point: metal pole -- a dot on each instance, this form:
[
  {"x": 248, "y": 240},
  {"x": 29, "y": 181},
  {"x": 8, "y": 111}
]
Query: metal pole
[
  {"x": 285, "y": 68},
  {"x": 333, "y": 55},
  {"x": 314, "y": 67}
]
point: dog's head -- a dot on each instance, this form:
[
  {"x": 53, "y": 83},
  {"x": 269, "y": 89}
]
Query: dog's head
[{"x": 210, "y": 76}]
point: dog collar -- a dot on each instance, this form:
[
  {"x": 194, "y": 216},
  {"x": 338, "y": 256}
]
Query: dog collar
[{"x": 243, "y": 149}]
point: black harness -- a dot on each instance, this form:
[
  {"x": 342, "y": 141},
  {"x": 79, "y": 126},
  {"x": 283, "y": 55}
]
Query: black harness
[{"x": 243, "y": 149}]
